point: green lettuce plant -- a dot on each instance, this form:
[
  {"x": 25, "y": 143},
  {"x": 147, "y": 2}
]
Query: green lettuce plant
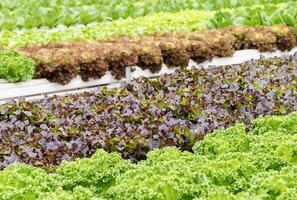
[{"x": 15, "y": 67}]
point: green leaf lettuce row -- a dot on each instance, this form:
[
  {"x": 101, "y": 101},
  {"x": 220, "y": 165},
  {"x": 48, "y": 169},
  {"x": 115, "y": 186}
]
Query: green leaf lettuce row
[
  {"x": 35, "y": 14},
  {"x": 159, "y": 22}
]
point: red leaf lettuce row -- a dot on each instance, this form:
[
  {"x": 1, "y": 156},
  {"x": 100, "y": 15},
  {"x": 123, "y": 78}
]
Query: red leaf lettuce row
[{"x": 61, "y": 62}]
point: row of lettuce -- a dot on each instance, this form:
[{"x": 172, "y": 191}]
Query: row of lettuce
[
  {"x": 15, "y": 67},
  {"x": 189, "y": 20},
  {"x": 172, "y": 110},
  {"x": 34, "y": 14},
  {"x": 62, "y": 62},
  {"x": 226, "y": 164},
  {"x": 268, "y": 14}
]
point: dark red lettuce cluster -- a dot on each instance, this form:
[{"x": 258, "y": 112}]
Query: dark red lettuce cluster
[
  {"x": 172, "y": 110},
  {"x": 61, "y": 62}
]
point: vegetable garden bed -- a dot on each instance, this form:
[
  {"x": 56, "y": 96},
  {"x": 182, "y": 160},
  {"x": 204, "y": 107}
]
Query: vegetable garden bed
[
  {"x": 172, "y": 110},
  {"x": 36, "y": 89},
  {"x": 148, "y": 100}
]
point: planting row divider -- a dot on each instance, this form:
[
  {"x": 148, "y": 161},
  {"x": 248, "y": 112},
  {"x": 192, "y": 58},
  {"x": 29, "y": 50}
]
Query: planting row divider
[{"x": 128, "y": 75}]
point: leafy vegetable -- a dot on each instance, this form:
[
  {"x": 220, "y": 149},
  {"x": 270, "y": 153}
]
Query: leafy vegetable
[
  {"x": 22, "y": 182},
  {"x": 97, "y": 174},
  {"x": 257, "y": 15},
  {"x": 15, "y": 67}
]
